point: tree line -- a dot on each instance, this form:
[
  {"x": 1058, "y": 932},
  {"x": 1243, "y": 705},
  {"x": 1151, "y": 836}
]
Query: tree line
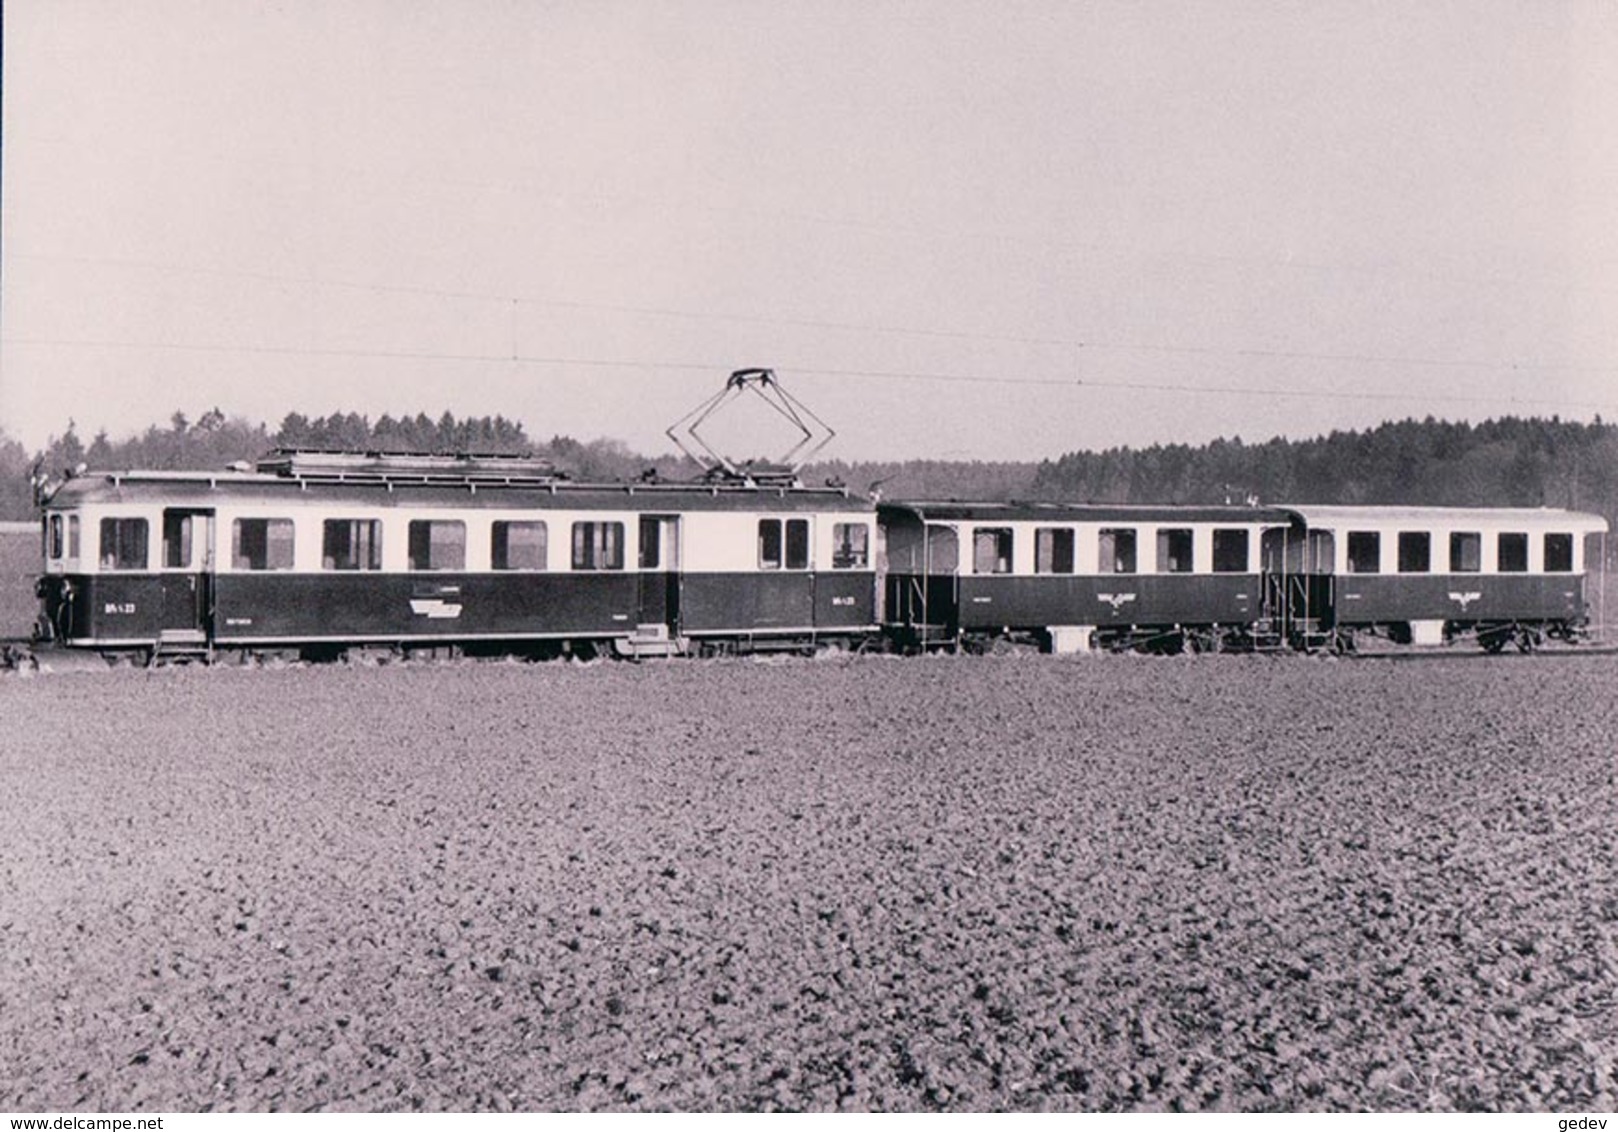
[
  {"x": 1512, "y": 461},
  {"x": 215, "y": 440}
]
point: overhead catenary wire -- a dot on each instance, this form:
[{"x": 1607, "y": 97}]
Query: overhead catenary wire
[
  {"x": 822, "y": 371},
  {"x": 1060, "y": 342},
  {"x": 601, "y": 199}
]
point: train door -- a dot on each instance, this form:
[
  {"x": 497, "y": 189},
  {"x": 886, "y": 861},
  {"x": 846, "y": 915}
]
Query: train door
[
  {"x": 941, "y": 595},
  {"x": 187, "y": 572},
  {"x": 1298, "y": 582},
  {"x": 1318, "y": 589},
  {"x": 659, "y": 597},
  {"x": 1274, "y": 547}
]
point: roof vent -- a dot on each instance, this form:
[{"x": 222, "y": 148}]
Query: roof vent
[{"x": 326, "y": 466}]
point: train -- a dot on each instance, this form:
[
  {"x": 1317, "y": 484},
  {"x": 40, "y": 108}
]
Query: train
[{"x": 319, "y": 554}]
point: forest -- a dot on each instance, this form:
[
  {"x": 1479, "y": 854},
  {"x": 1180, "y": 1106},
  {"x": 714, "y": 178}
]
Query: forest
[{"x": 1511, "y": 461}]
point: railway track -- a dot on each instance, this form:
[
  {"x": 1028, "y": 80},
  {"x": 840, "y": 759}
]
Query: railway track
[
  {"x": 1478, "y": 654},
  {"x": 20, "y": 653}
]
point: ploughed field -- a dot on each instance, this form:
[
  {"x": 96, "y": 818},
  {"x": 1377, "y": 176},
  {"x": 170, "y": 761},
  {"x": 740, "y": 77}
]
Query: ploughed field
[
  {"x": 19, "y": 566},
  {"x": 960, "y": 883}
]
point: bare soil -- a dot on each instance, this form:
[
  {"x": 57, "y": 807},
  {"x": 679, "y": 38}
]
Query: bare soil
[
  {"x": 19, "y": 566},
  {"x": 865, "y": 883}
]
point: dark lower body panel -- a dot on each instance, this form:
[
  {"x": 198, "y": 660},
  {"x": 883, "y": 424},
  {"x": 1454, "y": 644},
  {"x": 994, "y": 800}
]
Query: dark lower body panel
[
  {"x": 978, "y": 603},
  {"x": 1371, "y": 599},
  {"x": 276, "y": 608}
]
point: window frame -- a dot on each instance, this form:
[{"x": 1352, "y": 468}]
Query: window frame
[
  {"x": 1516, "y": 565},
  {"x": 372, "y": 561},
  {"x": 179, "y": 539},
  {"x": 650, "y": 538},
  {"x": 1458, "y": 542},
  {"x": 602, "y": 549},
  {"x": 1221, "y": 560},
  {"x": 1415, "y": 552},
  {"x": 1170, "y": 539},
  {"x": 118, "y": 524},
  {"x": 420, "y": 538},
  {"x": 845, "y": 555},
  {"x": 1050, "y": 552},
  {"x": 1000, "y": 541},
  {"x": 241, "y": 562},
  {"x": 1355, "y": 561},
  {"x": 1124, "y": 545},
  {"x": 500, "y": 545},
  {"x": 789, "y": 538},
  {"x": 797, "y": 544},
  {"x": 1545, "y": 552}
]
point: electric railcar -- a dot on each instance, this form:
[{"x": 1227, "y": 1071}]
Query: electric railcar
[{"x": 320, "y": 551}]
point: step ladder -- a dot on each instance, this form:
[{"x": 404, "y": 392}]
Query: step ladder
[
  {"x": 181, "y": 645},
  {"x": 651, "y": 639}
]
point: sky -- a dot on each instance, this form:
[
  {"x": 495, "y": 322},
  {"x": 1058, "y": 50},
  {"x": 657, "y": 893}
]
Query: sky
[{"x": 960, "y": 230}]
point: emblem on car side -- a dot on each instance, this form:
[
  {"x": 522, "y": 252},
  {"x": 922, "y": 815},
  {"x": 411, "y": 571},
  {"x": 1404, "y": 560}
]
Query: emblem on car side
[
  {"x": 435, "y": 608},
  {"x": 1464, "y": 599},
  {"x": 1117, "y": 601}
]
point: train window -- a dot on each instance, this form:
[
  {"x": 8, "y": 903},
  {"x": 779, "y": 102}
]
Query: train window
[
  {"x": 651, "y": 543},
  {"x": 851, "y": 546},
  {"x": 598, "y": 546},
  {"x": 1465, "y": 552},
  {"x": 943, "y": 550},
  {"x": 55, "y": 542},
  {"x": 1117, "y": 554},
  {"x": 1053, "y": 550},
  {"x": 1230, "y": 554},
  {"x": 1415, "y": 552},
  {"x": 123, "y": 544},
  {"x": 769, "y": 544},
  {"x": 797, "y": 544},
  {"x": 1558, "y": 553},
  {"x": 788, "y": 535},
  {"x": 72, "y": 536},
  {"x": 1511, "y": 552},
  {"x": 437, "y": 544},
  {"x": 991, "y": 550},
  {"x": 176, "y": 539},
  {"x": 1174, "y": 551},
  {"x": 1364, "y": 552},
  {"x": 352, "y": 544},
  {"x": 261, "y": 544},
  {"x": 518, "y": 546}
]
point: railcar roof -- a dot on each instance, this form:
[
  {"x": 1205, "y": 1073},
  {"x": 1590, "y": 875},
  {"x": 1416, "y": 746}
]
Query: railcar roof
[
  {"x": 956, "y": 510},
  {"x": 209, "y": 489},
  {"x": 1337, "y": 515}
]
